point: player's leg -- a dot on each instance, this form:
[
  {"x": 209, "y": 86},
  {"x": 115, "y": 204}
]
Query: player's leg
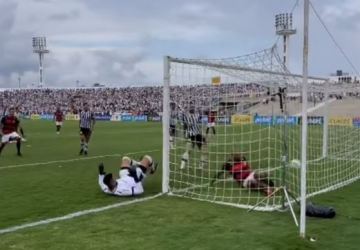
[
  {"x": 263, "y": 177},
  {"x": 185, "y": 131},
  {"x": 126, "y": 161},
  {"x": 148, "y": 163},
  {"x": 22, "y": 134},
  {"x": 142, "y": 167},
  {"x": 263, "y": 183},
  {"x": 2, "y": 146},
  {"x": 58, "y": 127},
  {"x": 213, "y": 129},
  {"x": 18, "y": 146},
  {"x": 82, "y": 140},
  {"x": 202, "y": 146},
  {"x": 172, "y": 136},
  {"x": 4, "y": 141},
  {"x": 207, "y": 129},
  {"x": 190, "y": 143},
  {"x": 87, "y": 139}
]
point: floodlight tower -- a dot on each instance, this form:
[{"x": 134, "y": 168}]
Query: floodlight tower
[
  {"x": 39, "y": 46},
  {"x": 283, "y": 25}
]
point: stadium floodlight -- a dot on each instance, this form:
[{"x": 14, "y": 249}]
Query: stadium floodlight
[
  {"x": 39, "y": 47},
  {"x": 283, "y": 25}
]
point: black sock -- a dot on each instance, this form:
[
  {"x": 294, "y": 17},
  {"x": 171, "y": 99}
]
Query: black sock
[
  {"x": 207, "y": 130},
  {"x": 18, "y": 146},
  {"x": 22, "y": 132},
  {"x": 57, "y": 128}
]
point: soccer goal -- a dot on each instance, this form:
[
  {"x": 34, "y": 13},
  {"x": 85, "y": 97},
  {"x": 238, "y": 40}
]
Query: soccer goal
[{"x": 254, "y": 104}]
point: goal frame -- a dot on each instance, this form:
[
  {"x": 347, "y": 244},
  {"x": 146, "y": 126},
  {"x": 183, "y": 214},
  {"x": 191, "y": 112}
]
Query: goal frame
[{"x": 167, "y": 60}]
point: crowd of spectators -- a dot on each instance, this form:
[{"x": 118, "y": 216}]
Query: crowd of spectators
[{"x": 134, "y": 100}]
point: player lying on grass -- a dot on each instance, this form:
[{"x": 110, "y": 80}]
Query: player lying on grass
[
  {"x": 131, "y": 176},
  {"x": 241, "y": 171}
]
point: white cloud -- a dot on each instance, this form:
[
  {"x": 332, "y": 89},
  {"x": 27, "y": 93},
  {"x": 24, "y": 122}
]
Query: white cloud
[{"x": 123, "y": 42}]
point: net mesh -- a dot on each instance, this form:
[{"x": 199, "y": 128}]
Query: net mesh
[{"x": 241, "y": 95}]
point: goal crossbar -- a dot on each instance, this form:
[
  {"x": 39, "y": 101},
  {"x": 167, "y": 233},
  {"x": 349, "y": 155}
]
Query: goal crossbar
[{"x": 210, "y": 64}]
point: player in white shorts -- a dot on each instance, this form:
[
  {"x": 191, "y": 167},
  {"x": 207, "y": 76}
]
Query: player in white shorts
[{"x": 131, "y": 176}]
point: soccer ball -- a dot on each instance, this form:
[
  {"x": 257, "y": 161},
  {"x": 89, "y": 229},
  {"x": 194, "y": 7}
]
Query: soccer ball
[{"x": 295, "y": 163}]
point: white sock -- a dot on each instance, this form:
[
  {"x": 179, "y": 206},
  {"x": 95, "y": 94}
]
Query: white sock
[
  {"x": 184, "y": 160},
  {"x": 171, "y": 142},
  {"x": 203, "y": 161}
]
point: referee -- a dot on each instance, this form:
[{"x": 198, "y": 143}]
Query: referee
[{"x": 86, "y": 124}]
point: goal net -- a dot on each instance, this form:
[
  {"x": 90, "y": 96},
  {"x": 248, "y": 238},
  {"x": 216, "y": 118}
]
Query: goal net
[{"x": 250, "y": 105}]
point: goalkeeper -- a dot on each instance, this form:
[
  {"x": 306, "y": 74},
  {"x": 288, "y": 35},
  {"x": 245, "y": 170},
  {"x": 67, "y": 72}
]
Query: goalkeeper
[
  {"x": 131, "y": 176},
  {"x": 240, "y": 169}
]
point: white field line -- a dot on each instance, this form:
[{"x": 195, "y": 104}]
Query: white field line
[
  {"x": 75, "y": 159},
  {"x": 76, "y": 214}
]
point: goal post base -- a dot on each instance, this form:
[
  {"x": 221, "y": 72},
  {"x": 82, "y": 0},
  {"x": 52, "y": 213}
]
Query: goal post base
[{"x": 287, "y": 196}]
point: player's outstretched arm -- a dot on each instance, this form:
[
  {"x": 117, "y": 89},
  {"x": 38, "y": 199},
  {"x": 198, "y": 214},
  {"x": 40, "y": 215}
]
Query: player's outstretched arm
[
  {"x": 101, "y": 169},
  {"x": 221, "y": 172},
  {"x": 101, "y": 177}
]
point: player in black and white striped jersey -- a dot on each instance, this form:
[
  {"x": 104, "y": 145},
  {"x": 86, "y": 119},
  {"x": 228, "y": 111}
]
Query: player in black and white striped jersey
[
  {"x": 86, "y": 124},
  {"x": 195, "y": 138}
]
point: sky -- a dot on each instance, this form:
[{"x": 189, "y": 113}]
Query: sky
[{"x": 123, "y": 42}]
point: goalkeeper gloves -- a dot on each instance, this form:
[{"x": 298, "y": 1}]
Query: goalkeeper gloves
[
  {"x": 101, "y": 169},
  {"x": 153, "y": 167}
]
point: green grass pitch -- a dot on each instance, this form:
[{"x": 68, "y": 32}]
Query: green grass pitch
[{"x": 34, "y": 192}]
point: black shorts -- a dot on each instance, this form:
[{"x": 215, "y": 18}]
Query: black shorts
[
  {"x": 85, "y": 132},
  {"x": 198, "y": 140},
  {"x": 172, "y": 130}
]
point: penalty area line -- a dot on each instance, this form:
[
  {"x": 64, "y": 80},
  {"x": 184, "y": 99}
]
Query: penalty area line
[
  {"x": 76, "y": 214},
  {"x": 75, "y": 159}
]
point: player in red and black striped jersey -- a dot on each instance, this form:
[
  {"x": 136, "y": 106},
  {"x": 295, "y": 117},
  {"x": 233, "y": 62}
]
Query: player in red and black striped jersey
[
  {"x": 241, "y": 171},
  {"x": 59, "y": 118},
  {"x": 9, "y": 128}
]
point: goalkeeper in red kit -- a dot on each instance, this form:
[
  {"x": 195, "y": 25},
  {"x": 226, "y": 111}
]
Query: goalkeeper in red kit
[{"x": 241, "y": 171}]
